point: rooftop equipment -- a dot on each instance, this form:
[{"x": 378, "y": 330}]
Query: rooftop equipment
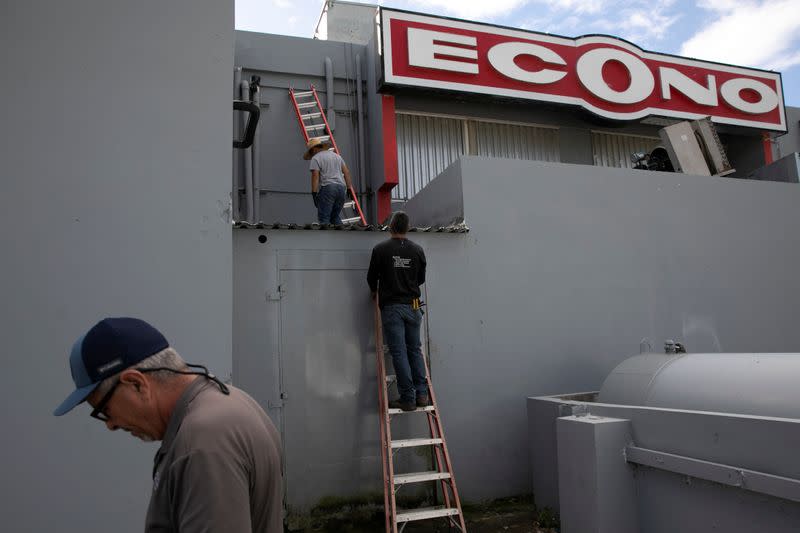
[
  {"x": 688, "y": 147},
  {"x": 763, "y": 384}
]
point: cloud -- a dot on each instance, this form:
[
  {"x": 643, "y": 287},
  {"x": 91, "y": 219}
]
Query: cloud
[
  {"x": 473, "y": 9},
  {"x": 750, "y": 33},
  {"x": 577, "y": 7},
  {"x": 639, "y": 21}
]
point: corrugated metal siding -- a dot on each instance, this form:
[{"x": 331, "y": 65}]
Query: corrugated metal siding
[
  {"x": 425, "y": 147},
  {"x": 614, "y": 150},
  {"x": 515, "y": 141}
]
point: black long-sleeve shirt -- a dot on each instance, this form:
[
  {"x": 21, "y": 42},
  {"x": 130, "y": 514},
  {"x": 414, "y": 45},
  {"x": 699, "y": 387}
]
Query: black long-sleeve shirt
[{"x": 396, "y": 270}]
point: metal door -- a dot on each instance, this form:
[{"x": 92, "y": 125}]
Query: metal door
[{"x": 331, "y": 436}]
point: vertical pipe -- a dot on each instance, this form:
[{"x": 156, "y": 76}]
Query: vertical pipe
[
  {"x": 256, "y": 152},
  {"x": 236, "y": 168},
  {"x": 362, "y": 156},
  {"x": 329, "y": 93},
  {"x": 244, "y": 87}
]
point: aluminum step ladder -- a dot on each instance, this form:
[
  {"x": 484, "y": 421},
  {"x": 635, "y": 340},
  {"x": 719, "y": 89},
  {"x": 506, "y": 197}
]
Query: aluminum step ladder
[
  {"x": 314, "y": 123},
  {"x": 397, "y": 519}
]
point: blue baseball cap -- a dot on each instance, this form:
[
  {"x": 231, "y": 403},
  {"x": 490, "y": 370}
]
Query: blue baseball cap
[{"x": 111, "y": 346}]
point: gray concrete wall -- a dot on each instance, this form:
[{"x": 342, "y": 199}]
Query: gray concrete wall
[
  {"x": 669, "y": 500},
  {"x": 564, "y": 271},
  {"x": 115, "y": 183},
  {"x": 790, "y": 142}
]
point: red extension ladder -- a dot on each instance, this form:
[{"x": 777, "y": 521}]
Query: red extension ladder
[{"x": 309, "y": 114}]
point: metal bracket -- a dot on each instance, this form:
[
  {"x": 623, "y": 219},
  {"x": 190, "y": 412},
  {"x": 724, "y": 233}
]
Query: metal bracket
[{"x": 273, "y": 296}]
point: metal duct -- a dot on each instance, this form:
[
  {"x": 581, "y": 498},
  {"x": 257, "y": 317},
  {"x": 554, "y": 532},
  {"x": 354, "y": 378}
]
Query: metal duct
[
  {"x": 362, "y": 165},
  {"x": 244, "y": 87},
  {"x": 235, "y": 158},
  {"x": 329, "y": 96}
]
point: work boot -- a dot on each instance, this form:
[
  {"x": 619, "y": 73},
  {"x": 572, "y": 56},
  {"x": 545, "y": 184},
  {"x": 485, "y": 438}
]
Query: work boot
[
  {"x": 397, "y": 404},
  {"x": 423, "y": 400}
]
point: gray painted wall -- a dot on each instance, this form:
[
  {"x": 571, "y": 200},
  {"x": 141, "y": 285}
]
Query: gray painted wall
[
  {"x": 665, "y": 499},
  {"x": 115, "y": 182},
  {"x": 786, "y": 144},
  {"x": 564, "y": 271}
]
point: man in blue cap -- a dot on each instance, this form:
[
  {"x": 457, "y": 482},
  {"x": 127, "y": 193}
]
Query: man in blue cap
[{"x": 219, "y": 465}]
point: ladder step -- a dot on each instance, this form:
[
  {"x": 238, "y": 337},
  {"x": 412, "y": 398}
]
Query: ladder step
[
  {"x": 391, "y": 379},
  {"x": 303, "y": 94},
  {"x": 315, "y": 127},
  {"x": 311, "y": 115},
  {"x": 349, "y": 205},
  {"x": 306, "y": 105},
  {"x": 350, "y": 220},
  {"x": 324, "y": 137},
  {"x": 425, "y": 513},
  {"x": 419, "y": 477},
  {"x": 426, "y": 409},
  {"x": 410, "y": 443}
]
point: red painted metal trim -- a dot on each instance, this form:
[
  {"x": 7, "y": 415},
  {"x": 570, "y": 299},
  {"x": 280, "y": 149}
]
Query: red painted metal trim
[
  {"x": 766, "y": 142},
  {"x": 390, "y": 172}
]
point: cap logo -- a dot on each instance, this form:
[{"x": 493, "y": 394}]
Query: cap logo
[{"x": 109, "y": 366}]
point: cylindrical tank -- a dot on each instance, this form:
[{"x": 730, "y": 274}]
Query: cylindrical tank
[{"x": 764, "y": 384}]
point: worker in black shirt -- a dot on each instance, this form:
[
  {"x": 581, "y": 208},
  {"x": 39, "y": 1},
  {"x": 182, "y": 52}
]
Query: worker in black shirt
[{"x": 396, "y": 270}]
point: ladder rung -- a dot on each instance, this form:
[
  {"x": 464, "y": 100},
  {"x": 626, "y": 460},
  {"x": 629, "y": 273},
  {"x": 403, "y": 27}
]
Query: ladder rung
[
  {"x": 350, "y": 220},
  {"x": 410, "y": 443},
  {"x": 303, "y": 94},
  {"x": 306, "y": 105},
  {"x": 349, "y": 205},
  {"x": 311, "y": 115},
  {"x": 424, "y": 513},
  {"x": 420, "y": 477},
  {"x": 324, "y": 137},
  {"x": 391, "y": 379},
  {"x": 425, "y": 409},
  {"x": 315, "y": 127}
]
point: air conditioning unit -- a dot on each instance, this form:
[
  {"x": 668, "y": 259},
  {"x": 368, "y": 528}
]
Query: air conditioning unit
[{"x": 694, "y": 148}]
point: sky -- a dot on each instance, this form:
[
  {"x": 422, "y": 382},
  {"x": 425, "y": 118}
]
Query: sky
[{"x": 752, "y": 33}]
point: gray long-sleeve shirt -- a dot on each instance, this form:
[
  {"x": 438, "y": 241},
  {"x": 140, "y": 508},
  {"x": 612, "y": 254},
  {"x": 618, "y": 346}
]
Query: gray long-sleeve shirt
[{"x": 219, "y": 466}]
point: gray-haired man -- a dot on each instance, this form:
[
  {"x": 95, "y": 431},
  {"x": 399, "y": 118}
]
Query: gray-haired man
[{"x": 219, "y": 465}]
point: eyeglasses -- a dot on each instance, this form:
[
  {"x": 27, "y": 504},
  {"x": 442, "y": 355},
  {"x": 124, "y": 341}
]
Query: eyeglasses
[{"x": 99, "y": 411}]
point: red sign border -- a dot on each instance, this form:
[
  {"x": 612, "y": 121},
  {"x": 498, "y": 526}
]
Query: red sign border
[{"x": 390, "y": 79}]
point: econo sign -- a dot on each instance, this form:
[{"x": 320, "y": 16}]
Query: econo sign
[{"x": 605, "y": 75}]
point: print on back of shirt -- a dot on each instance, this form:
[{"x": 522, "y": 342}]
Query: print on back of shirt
[{"x": 401, "y": 262}]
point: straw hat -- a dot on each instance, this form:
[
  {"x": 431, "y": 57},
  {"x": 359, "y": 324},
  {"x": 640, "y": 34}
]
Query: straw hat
[{"x": 313, "y": 143}]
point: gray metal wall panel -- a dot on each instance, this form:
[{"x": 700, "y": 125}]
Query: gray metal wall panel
[
  {"x": 284, "y": 178},
  {"x": 425, "y": 147},
  {"x": 614, "y": 150},
  {"x": 514, "y": 141},
  {"x": 115, "y": 203},
  {"x": 558, "y": 282}
]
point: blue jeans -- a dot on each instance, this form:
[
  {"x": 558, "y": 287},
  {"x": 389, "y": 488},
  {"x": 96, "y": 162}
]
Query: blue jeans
[
  {"x": 401, "y": 327},
  {"x": 330, "y": 202}
]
